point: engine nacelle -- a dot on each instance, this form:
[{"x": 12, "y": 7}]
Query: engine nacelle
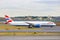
[{"x": 37, "y": 25}]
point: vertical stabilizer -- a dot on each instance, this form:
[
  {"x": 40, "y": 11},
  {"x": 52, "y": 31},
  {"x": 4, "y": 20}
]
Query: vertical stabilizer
[{"x": 8, "y": 19}]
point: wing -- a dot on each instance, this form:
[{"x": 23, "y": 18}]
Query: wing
[{"x": 29, "y": 23}]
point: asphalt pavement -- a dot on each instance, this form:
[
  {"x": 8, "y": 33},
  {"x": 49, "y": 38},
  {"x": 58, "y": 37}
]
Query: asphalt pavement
[{"x": 29, "y": 37}]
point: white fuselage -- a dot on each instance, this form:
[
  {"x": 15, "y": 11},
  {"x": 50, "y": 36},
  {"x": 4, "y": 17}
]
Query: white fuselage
[{"x": 32, "y": 22}]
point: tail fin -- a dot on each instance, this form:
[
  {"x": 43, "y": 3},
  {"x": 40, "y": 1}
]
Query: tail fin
[{"x": 8, "y": 19}]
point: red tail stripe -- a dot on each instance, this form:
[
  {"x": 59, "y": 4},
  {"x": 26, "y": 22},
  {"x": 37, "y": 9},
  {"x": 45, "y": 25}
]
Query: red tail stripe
[
  {"x": 6, "y": 16},
  {"x": 9, "y": 20}
]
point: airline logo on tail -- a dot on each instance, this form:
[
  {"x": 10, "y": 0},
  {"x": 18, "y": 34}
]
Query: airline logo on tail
[{"x": 8, "y": 19}]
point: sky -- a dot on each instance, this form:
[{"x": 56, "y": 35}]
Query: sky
[{"x": 29, "y": 8}]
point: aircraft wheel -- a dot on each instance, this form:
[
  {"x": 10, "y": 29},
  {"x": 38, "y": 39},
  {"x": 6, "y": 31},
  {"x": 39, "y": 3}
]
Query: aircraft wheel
[{"x": 30, "y": 26}]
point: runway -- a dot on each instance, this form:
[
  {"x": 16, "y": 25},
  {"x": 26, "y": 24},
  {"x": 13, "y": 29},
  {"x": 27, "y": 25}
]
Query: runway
[
  {"x": 42, "y": 29},
  {"x": 29, "y": 37}
]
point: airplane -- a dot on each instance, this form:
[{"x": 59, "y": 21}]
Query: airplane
[{"x": 30, "y": 24}]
